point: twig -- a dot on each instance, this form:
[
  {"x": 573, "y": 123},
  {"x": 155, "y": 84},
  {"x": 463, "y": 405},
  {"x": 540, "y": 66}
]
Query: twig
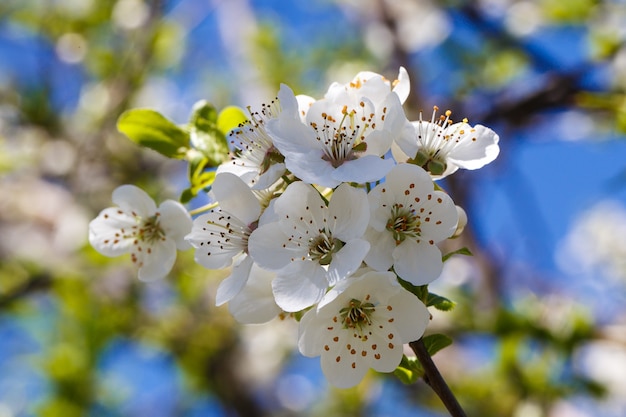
[{"x": 433, "y": 378}]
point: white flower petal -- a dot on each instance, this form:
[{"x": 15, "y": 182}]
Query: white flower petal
[
  {"x": 255, "y": 302},
  {"x": 175, "y": 222},
  {"x": 132, "y": 199},
  {"x": 304, "y": 103},
  {"x": 300, "y": 285},
  {"x": 404, "y": 174},
  {"x": 213, "y": 240},
  {"x": 441, "y": 217},
  {"x": 402, "y": 85},
  {"x": 382, "y": 244},
  {"x": 388, "y": 346},
  {"x": 269, "y": 177},
  {"x": 234, "y": 283},
  {"x": 288, "y": 132},
  {"x": 368, "y": 168},
  {"x": 310, "y": 167},
  {"x": 309, "y": 334},
  {"x": 265, "y": 245},
  {"x": 410, "y": 318},
  {"x": 348, "y": 212},
  {"x": 241, "y": 168},
  {"x": 392, "y": 126},
  {"x": 417, "y": 262},
  {"x": 347, "y": 260},
  {"x": 300, "y": 206},
  {"x": 478, "y": 148},
  {"x": 340, "y": 372},
  {"x": 288, "y": 102},
  {"x": 105, "y": 232},
  {"x": 155, "y": 261},
  {"x": 235, "y": 197}
]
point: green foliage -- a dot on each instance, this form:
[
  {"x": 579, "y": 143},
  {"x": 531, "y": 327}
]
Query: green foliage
[
  {"x": 462, "y": 251},
  {"x": 439, "y": 302},
  {"x": 420, "y": 291},
  {"x": 205, "y": 134},
  {"x": 409, "y": 370},
  {"x": 199, "y": 177},
  {"x": 428, "y": 298},
  {"x": 229, "y": 118},
  {"x": 152, "y": 130},
  {"x": 435, "y": 342}
]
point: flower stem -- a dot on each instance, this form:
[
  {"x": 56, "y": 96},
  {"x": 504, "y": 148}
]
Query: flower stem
[
  {"x": 434, "y": 379},
  {"x": 202, "y": 209}
]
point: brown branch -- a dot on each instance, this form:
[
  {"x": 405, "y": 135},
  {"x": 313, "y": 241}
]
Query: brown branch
[{"x": 434, "y": 379}]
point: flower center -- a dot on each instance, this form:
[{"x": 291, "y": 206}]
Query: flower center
[
  {"x": 253, "y": 147},
  {"x": 436, "y": 140},
  {"x": 345, "y": 141},
  {"x": 357, "y": 315},
  {"x": 150, "y": 231},
  {"x": 272, "y": 156},
  {"x": 403, "y": 223},
  {"x": 432, "y": 162},
  {"x": 322, "y": 247}
]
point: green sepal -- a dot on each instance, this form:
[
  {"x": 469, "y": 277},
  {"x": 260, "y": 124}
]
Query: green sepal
[
  {"x": 421, "y": 158},
  {"x": 361, "y": 147},
  {"x": 439, "y": 302},
  {"x": 435, "y": 342},
  {"x": 152, "y": 130},
  {"x": 463, "y": 251},
  {"x": 205, "y": 135},
  {"x": 436, "y": 167},
  {"x": 229, "y": 118},
  {"x": 409, "y": 370},
  {"x": 420, "y": 291}
]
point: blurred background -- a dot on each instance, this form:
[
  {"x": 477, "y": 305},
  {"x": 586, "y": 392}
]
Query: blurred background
[{"x": 540, "y": 324}]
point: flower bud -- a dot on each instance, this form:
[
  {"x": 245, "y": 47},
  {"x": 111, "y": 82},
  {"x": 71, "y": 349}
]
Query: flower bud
[{"x": 460, "y": 226}]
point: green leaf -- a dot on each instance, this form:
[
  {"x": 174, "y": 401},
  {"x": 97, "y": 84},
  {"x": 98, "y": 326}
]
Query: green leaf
[
  {"x": 409, "y": 370},
  {"x": 420, "y": 291},
  {"x": 435, "y": 342},
  {"x": 439, "y": 302},
  {"x": 229, "y": 118},
  {"x": 463, "y": 251},
  {"x": 205, "y": 135},
  {"x": 152, "y": 130}
]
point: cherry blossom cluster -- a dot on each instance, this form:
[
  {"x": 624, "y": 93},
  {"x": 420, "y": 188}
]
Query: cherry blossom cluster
[{"x": 324, "y": 206}]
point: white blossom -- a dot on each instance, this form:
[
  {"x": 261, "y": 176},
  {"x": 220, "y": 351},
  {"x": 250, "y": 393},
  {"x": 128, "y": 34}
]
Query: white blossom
[
  {"x": 311, "y": 246},
  {"x": 408, "y": 218},
  {"x": 442, "y": 147},
  {"x": 362, "y": 323},
  {"x": 255, "y": 303},
  {"x": 255, "y": 158},
  {"x": 344, "y": 136},
  {"x": 136, "y": 226},
  {"x": 221, "y": 236}
]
